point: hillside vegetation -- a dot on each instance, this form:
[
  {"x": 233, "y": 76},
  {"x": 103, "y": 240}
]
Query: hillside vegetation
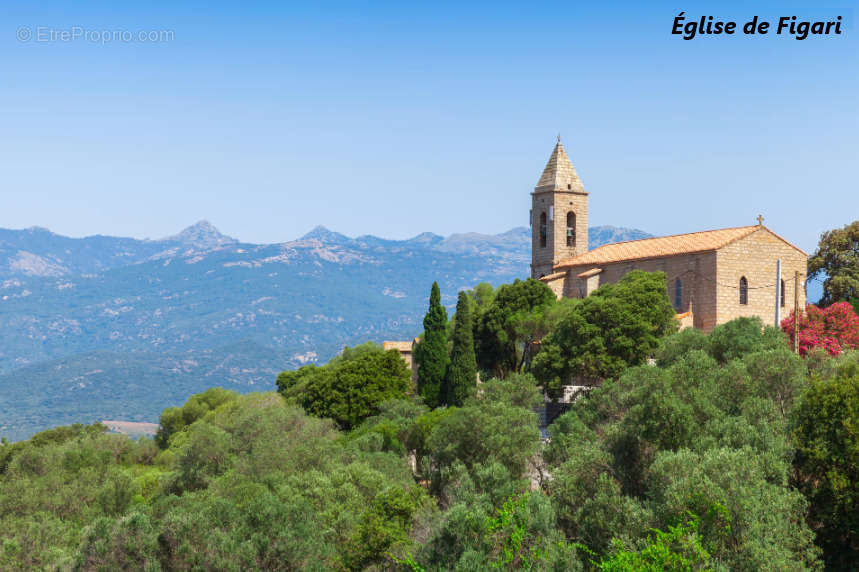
[{"x": 732, "y": 453}]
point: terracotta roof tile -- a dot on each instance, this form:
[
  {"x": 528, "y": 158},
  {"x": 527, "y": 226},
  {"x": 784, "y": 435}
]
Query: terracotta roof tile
[
  {"x": 589, "y": 273},
  {"x": 658, "y": 247},
  {"x": 553, "y": 276}
]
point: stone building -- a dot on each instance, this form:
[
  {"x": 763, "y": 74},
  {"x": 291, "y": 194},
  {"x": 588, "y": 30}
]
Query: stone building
[
  {"x": 407, "y": 350},
  {"x": 713, "y": 276}
]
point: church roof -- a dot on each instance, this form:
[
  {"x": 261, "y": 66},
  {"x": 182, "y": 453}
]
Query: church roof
[
  {"x": 553, "y": 276},
  {"x": 559, "y": 172},
  {"x": 658, "y": 247}
]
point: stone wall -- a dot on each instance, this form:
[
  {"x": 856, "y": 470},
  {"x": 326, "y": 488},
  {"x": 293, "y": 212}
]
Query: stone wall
[
  {"x": 755, "y": 257},
  {"x": 696, "y": 271},
  {"x": 710, "y": 280}
]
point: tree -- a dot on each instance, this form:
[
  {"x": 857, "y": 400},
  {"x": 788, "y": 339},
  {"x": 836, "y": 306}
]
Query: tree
[
  {"x": 349, "y": 389},
  {"x": 678, "y": 550},
  {"x": 617, "y": 326},
  {"x": 743, "y": 336},
  {"x": 501, "y": 339},
  {"x": 431, "y": 352},
  {"x": 461, "y": 379},
  {"x": 175, "y": 419},
  {"x": 826, "y": 433},
  {"x": 837, "y": 258},
  {"x": 491, "y": 426},
  {"x": 747, "y": 522}
]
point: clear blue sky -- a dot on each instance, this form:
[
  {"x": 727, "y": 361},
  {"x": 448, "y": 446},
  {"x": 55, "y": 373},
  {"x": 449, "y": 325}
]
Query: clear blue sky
[{"x": 397, "y": 118}]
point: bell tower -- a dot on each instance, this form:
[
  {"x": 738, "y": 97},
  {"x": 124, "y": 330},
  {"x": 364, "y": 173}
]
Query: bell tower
[{"x": 559, "y": 214}]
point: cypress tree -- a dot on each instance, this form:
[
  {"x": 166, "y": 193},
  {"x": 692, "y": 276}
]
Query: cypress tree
[
  {"x": 461, "y": 380},
  {"x": 431, "y": 352}
]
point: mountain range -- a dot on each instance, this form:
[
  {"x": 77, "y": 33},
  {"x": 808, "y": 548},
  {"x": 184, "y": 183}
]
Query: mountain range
[{"x": 119, "y": 328}]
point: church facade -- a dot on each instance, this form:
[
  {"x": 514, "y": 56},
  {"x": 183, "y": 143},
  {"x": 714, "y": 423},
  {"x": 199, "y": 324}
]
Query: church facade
[{"x": 713, "y": 276}]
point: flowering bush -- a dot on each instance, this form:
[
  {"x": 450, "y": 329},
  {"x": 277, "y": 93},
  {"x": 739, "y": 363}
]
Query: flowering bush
[{"x": 835, "y": 328}]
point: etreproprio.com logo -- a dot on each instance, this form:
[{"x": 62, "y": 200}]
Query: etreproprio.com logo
[{"x": 49, "y": 34}]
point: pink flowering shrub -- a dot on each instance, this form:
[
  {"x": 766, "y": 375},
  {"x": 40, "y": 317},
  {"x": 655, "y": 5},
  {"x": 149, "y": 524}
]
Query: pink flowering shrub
[{"x": 834, "y": 329}]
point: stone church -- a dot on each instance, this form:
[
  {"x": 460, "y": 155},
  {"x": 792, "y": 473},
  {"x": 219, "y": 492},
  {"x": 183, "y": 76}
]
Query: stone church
[{"x": 713, "y": 276}]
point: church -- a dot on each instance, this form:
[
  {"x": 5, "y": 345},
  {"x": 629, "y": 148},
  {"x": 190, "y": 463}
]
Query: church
[{"x": 713, "y": 276}]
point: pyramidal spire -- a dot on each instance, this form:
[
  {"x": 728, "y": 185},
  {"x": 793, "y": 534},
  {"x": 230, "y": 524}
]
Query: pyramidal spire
[{"x": 559, "y": 172}]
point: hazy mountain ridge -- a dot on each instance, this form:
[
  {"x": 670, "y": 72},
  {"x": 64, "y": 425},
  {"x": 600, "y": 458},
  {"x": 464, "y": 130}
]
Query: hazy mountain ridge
[
  {"x": 152, "y": 302},
  {"x": 37, "y": 251}
]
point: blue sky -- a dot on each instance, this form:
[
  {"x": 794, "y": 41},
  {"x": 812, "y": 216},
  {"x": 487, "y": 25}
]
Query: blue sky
[{"x": 398, "y": 118}]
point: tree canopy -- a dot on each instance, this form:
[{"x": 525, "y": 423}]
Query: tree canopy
[
  {"x": 348, "y": 389},
  {"x": 729, "y": 453},
  {"x": 618, "y": 326},
  {"x": 837, "y": 259},
  {"x": 500, "y": 338}
]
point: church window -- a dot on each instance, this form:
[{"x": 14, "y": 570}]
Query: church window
[
  {"x": 744, "y": 291},
  {"x": 543, "y": 233},
  {"x": 781, "y": 294},
  {"x": 678, "y": 294},
  {"x": 569, "y": 186},
  {"x": 571, "y": 229}
]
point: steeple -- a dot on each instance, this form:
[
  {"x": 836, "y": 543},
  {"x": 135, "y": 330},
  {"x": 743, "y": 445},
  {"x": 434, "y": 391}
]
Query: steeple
[
  {"x": 559, "y": 214},
  {"x": 559, "y": 172}
]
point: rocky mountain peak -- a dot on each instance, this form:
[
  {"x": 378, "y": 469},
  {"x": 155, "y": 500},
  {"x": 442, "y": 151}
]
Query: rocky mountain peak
[
  {"x": 323, "y": 234},
  {"x": 202, "y": 235}
]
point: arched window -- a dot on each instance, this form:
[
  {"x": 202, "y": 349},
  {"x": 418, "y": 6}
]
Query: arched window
[
  {"x": 782, "y": 293},
  {"x": 678, "y": 294},
  {"x": 571, "y": 229},
  {"x": 744, "y": 291},
  {"x": 543, "y": 232}
]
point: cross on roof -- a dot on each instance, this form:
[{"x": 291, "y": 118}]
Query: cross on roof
[{"x": 760, "y": 220}]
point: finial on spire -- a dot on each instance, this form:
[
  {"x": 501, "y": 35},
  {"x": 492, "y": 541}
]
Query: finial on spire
[
  {"x": 760, "y": 220},
  {"x": 559, "y": 137}
]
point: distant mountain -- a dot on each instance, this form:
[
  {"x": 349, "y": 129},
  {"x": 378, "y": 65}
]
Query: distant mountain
[
  {"x": 37, "y": 251},
  {"x": 599, "y": 235},
  {"x": 201, "y": 236},
  {"x": 99, "y": 327}
]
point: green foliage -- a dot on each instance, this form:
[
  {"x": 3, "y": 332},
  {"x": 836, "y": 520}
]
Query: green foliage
[
  {"x": 726, "y": 456},
  {"x": 56, "y": 436},
  {"x": 837, "y": 258},
  {"x": 742, "y": 336},
  {"x": 747, "y": 522},
  {"x": 692, "y": 436},
  {"x": 826, "y": 433},
  {"x": 677, "y": 345},
  {"x": 488, "y": 428},
  {"x": 175, "y": 419},
  {"x": 461, "y": 379},
  {"x": 618, "y": 326},
  {"x": 778, "y": 374},
  {"x": 254, "y": 484},
  {"x": 480, "y": 297},
  {"x": 431, "y": 352},
  {"x": 678, "y": 550},
  {"x": 519, "y": 534},
  {"x": 501, "y": 338},
  {"x": 351, "y": 388}
]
